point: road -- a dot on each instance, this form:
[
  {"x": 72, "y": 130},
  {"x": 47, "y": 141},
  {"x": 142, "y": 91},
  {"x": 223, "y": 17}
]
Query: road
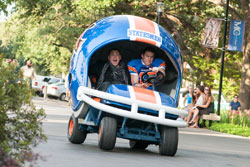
[{"x": 197, "y": 147}]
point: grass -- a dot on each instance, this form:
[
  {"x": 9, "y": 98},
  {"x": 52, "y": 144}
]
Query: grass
[
  {"x": 231, "y": 129},
  {"x": 238, "y": 125}
]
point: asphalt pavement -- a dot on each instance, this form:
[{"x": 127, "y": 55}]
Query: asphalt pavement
[{"x": 197, "y": 147}]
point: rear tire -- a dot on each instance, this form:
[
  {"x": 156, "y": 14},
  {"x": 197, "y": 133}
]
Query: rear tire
[
  {"x": 138, "y": 144},
  {"x": 62, "y": 97},
  {"x": 107, "y": 133},
  {"x": 169, "y": 141},
  {"x": 75, "y": 135}
]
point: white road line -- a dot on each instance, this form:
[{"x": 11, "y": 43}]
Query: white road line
[
  {"x": 213, "y": 134},
  {"x": 54, "y": 121}
]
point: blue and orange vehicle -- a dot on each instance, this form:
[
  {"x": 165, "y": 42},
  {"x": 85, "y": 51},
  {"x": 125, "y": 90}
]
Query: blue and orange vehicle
[{"x": 140, "y": 115}]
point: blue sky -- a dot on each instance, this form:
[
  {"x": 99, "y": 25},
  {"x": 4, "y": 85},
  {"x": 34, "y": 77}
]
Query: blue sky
[{"x": 3, "y": 17}]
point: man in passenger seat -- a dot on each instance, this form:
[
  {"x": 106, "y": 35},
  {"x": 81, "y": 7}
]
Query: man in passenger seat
[
  {"x": 113, "y": 72},
  {"x": 147, "y": 62}
]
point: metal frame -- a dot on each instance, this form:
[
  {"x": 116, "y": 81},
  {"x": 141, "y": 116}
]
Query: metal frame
[{"x": 84, "y": 93}]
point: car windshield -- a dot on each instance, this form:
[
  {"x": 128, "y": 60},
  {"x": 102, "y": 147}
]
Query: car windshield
[{"x": 54, "y": 80}]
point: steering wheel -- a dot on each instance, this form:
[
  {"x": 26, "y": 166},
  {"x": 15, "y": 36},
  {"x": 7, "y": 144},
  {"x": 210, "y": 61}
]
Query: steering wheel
[{"x": 155, "y": 78}]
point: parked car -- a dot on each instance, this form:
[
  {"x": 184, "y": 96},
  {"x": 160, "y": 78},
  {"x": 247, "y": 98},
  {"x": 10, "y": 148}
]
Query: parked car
[
  {"x": 50, "y": 80},
  {"x": 39, "y": 83},
  {"x": 57, "y": 90},
  {"x": 224, "y": 105}
]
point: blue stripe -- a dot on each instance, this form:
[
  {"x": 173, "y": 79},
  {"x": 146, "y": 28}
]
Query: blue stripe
[{"x": 121, "y": 90}]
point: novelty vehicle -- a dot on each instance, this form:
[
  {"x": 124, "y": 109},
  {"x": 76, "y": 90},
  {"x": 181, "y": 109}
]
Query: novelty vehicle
[{"x": 140, "y": 115}]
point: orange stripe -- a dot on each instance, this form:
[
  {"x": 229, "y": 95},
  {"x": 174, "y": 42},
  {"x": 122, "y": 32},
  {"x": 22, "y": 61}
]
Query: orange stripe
[
  {"x": 151, "y": 73},
  {"x": 146, "y": 41},
  {"x": 144, "y": 95},
  {"x": 132, "y": 69},
  {"x": 97, "y": 99},
  {"x": 144, "y": 25},
  {"x": 163, "y": 64}
]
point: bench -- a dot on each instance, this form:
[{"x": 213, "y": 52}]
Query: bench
[{"x": 211, "y": 117}]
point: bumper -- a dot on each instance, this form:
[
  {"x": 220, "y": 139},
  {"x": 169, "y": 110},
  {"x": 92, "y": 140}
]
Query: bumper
[{"x": 84, "y": 93}]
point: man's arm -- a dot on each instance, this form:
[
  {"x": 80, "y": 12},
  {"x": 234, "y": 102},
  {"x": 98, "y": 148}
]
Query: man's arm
[
  {"x": 239, "y": 107},
  {"x": 135, "y": 82},
  {"x": 184, "y": 101},
  {"x": 134, "y": 79},
  {"x": 160, "y": 65}
]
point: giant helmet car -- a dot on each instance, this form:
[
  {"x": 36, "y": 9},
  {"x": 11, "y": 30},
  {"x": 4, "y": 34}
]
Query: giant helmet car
[{"x": 140, "y": 115}]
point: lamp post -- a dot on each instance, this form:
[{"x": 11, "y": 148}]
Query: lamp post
[
  {"x": 222, "y": 56},
  {"x": 160, "y": 9}
]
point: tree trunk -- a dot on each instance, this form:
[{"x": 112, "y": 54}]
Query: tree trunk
[{"x": 244, "y": 93}]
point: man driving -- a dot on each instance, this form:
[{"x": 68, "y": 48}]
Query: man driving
[{"x": 138, "y": 67}]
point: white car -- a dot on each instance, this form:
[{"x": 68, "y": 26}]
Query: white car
[
  {"x": 39, "y": 83},
  {"x": 57, "y": 90},
  {"x": 224, "y": 105},
  {"x": 50, "y": 80}
]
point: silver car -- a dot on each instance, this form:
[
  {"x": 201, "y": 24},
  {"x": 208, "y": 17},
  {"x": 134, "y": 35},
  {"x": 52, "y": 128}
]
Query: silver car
[{"x": 57, "y": 90}]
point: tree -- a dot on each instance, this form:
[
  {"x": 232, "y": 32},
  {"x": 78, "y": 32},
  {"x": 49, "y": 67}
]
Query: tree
[
  {"x": 245, "y": 75},
  {"x": 46, "y": 31},
  {"x": 20, "y": 122}
]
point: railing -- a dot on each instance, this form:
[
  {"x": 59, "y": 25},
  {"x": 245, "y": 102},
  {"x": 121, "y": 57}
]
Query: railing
[{"x": 84, "y": 93}]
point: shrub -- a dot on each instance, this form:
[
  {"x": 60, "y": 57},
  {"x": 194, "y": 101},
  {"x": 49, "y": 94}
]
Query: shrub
[
  {"x": 20, "y": 122},
  {"x": 231, "y": 129}
]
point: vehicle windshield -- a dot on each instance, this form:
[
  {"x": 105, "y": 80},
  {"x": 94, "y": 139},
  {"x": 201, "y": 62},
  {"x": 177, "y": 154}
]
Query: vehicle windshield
[{"x": 55, "y": 80}]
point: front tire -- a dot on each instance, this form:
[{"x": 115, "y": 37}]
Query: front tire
[
  {"x": 75, "y": 135},
  {"x": 138, "y": 144},
  {"x": 107, "y": 133},
  {"x": 169, "y": 141}
]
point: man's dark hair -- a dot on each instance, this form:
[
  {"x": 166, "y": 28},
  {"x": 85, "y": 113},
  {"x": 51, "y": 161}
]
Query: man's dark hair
[
  {"x": 149, "y": 49},
  {"x": 114, "y": 48}
]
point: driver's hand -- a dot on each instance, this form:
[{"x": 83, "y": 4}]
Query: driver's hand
[
  {"x": 145, "y": 85},
  {"x": 155, "y": 69}
]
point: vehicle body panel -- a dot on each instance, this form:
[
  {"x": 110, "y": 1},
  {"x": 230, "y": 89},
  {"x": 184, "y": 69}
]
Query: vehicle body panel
[{"x": 109, "y": 30}]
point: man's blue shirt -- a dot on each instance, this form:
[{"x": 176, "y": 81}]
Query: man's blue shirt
[{"x": 234, "y": 105}]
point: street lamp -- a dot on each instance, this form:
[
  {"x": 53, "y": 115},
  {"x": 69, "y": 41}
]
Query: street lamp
[{"x": 160, "y": 9}]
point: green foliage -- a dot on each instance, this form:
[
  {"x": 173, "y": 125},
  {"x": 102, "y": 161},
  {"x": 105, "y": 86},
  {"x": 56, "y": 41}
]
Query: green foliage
[
  {"x": 46, "y": 30},
  {"x": 238, "y": 125},
  {"x": 231, "y": 129},
  {"x": 20, "y": 122}
]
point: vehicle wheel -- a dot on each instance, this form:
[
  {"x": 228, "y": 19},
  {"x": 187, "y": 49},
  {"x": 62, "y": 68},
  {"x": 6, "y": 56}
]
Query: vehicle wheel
[
  {"x": 62, "y": 97},
  {"x": 75, "y": 135},
  {"x": 138, "y": 144},
  {"x": 169, "y": 141},
  {"x": 107, "y": 133}
]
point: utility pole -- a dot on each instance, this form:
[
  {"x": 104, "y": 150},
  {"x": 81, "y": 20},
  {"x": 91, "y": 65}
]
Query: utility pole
[{"x": 222, "y": 56}]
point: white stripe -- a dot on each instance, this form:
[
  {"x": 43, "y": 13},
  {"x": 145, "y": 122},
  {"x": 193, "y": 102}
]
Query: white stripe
[
  {"x": 131, "y": 22},
  {"x": 132, "y": 92},
  {"x": 158, "y": 97},
  {"x": 131, "y": 26},
  {"x": 157, "y": 32}
]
